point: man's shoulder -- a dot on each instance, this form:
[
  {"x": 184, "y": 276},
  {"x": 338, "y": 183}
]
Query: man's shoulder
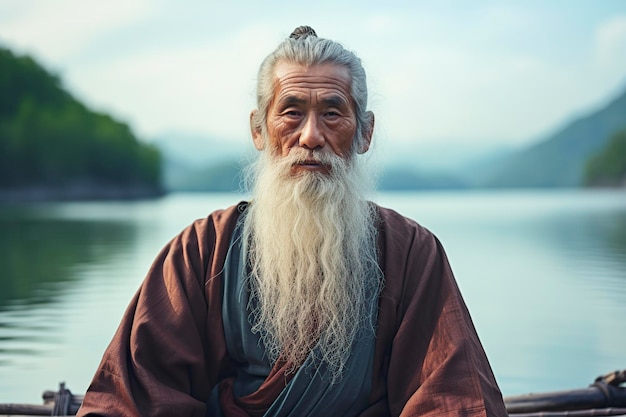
[
  {"x": 387, "y": 214},
  {"x": 219, "y": 221},
  {"x": 393, "y": 222},
  {"x": 403, "y": 233},
  {"x": 228, "y": 214}
]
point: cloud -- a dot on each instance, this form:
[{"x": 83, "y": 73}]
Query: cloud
[
  {"x": 483, "y": 71},
  {"x": 435, "y": 92},
  {"x": 207, "y": 86},
  {"x": 58, "y": 29},
  {"x": 439, "y": 84},
  {"x": 611, "y": 42}
]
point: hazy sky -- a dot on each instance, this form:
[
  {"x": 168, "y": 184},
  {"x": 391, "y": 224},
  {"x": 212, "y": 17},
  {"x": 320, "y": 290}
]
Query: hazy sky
[{"x": 479, "y": 71}]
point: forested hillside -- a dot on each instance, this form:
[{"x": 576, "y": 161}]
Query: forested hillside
[
  {"x": 559, "y": 160},
  {"x": 608, "y": 167},
  {"x": 51, "y": 141}
]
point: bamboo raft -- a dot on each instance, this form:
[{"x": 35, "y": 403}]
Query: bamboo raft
[
  {"x": 59, "y": 403},
  {"x": 606, "y": 396}
]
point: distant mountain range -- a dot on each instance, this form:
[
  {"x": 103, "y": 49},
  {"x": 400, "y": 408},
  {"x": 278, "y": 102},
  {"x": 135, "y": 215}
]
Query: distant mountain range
[
  {"x": 198, "y": 163},
  {"x": 195, "y": 162},
  {"x": 558, "y": 160},
  {"x": 50, "y": 141}
]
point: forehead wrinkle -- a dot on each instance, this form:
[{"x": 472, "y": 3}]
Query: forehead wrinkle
[
  {"x": 313, "y": 80},
  {"x": 310, "y": 81},
  {"x": 293, "y": 82},
  {"x": 294, "y": 96},
  {"x": 323, "y": 98},
  {"x": 333, "y": 100}
]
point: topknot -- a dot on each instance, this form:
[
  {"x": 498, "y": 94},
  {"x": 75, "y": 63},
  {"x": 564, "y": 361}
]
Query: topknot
[{"x": 302, "y": 32}]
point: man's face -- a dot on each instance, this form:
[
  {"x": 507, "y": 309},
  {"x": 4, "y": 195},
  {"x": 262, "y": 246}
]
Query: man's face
[{"x": 311, "y": 109}]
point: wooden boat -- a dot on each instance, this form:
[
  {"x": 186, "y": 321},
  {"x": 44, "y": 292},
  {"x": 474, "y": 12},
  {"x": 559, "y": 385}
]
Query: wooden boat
[
  {"x": 59, "y": 403},
  {"x": 606, "y": 396}
]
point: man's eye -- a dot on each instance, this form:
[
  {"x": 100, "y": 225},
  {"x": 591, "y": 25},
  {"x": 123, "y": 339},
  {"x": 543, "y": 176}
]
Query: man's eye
[{"x": 292, "y": 113}]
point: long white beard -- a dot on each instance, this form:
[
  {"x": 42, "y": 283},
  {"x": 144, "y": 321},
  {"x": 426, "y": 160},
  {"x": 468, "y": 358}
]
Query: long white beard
[{"x": 313, "y": 256}]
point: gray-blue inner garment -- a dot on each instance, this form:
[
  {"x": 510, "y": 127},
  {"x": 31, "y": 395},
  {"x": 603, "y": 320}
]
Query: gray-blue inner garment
[{"x": 310, "y": 392}]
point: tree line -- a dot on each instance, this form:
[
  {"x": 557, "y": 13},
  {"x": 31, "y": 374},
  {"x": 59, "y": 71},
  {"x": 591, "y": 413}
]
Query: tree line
[
  {"x": 608, "y": 167},
  {"x": 50, "y": 139}
]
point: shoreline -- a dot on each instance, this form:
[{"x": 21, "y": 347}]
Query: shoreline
[{"x": 79, "y": 193}]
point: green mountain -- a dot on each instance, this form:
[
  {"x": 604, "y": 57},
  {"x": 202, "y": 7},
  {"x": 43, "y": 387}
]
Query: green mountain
[
  {"x": 559, "y": 160},
  {"x": 53, "y": 146},
  {"x": 608, "y": 167}
]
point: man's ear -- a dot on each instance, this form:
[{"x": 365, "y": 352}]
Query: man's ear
[
  {"x": 368, "y": 132},
  {"x": 255, "y": 130}
]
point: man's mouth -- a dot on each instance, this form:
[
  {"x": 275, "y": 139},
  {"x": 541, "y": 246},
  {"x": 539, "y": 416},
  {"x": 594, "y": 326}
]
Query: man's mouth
[
  {"x": 310, "y": 165},
  {"x": 310, "y": 162}
]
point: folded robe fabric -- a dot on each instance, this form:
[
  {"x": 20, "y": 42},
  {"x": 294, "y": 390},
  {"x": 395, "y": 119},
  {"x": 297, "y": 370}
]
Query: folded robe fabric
[
  {"x": 310, "y": 390},
  {"x": 169, "y": 351}
]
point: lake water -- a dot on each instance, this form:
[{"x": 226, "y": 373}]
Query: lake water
[{"x": 543, "y": 274}]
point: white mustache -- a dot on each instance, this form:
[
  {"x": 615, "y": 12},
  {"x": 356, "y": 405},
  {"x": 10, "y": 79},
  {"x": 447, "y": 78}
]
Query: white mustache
[{"x": 302, "y": 156}]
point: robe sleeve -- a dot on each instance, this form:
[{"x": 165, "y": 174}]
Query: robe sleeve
[
  {"x": 169, "y": 349},
  {"x": 436, "y": 365}
]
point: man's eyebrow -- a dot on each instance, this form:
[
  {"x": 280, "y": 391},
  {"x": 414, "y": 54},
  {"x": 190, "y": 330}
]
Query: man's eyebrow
[
  {"x": 290, "y": 100},
  {"x": 334, "y": 101}
]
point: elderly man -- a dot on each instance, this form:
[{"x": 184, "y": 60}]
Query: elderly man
[{"x": 309, "y": 300}]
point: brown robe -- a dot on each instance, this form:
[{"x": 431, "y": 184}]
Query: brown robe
[{"x": 169, "y": 350}]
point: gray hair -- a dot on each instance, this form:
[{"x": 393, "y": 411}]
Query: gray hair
[{"x": 305, "y": 48}]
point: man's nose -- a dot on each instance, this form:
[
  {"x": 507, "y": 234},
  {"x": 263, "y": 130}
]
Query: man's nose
[{"x": 311, "y": 135}]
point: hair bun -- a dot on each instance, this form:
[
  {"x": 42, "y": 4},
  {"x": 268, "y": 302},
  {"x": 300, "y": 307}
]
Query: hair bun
[{"x": 302, "y": 32}]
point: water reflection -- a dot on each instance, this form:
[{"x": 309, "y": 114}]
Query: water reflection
[
  {"x": 42, "y": 260},
  {"x": 40, "y": 256},
  {"x": 561, "y": 298},
  {"x": 595, "y": 243},
  {"x": 544, "y": 275}
]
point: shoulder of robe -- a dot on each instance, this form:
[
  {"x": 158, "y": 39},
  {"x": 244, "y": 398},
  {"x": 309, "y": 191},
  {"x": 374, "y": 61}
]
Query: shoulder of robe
[
  {"x": 410, "y": 256},
  {"x": 204, "y": 237},
  {"x": 219, "y": 221},
  {"x": 403, "y": 233},
  {"x": 202, "y": 246}
]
